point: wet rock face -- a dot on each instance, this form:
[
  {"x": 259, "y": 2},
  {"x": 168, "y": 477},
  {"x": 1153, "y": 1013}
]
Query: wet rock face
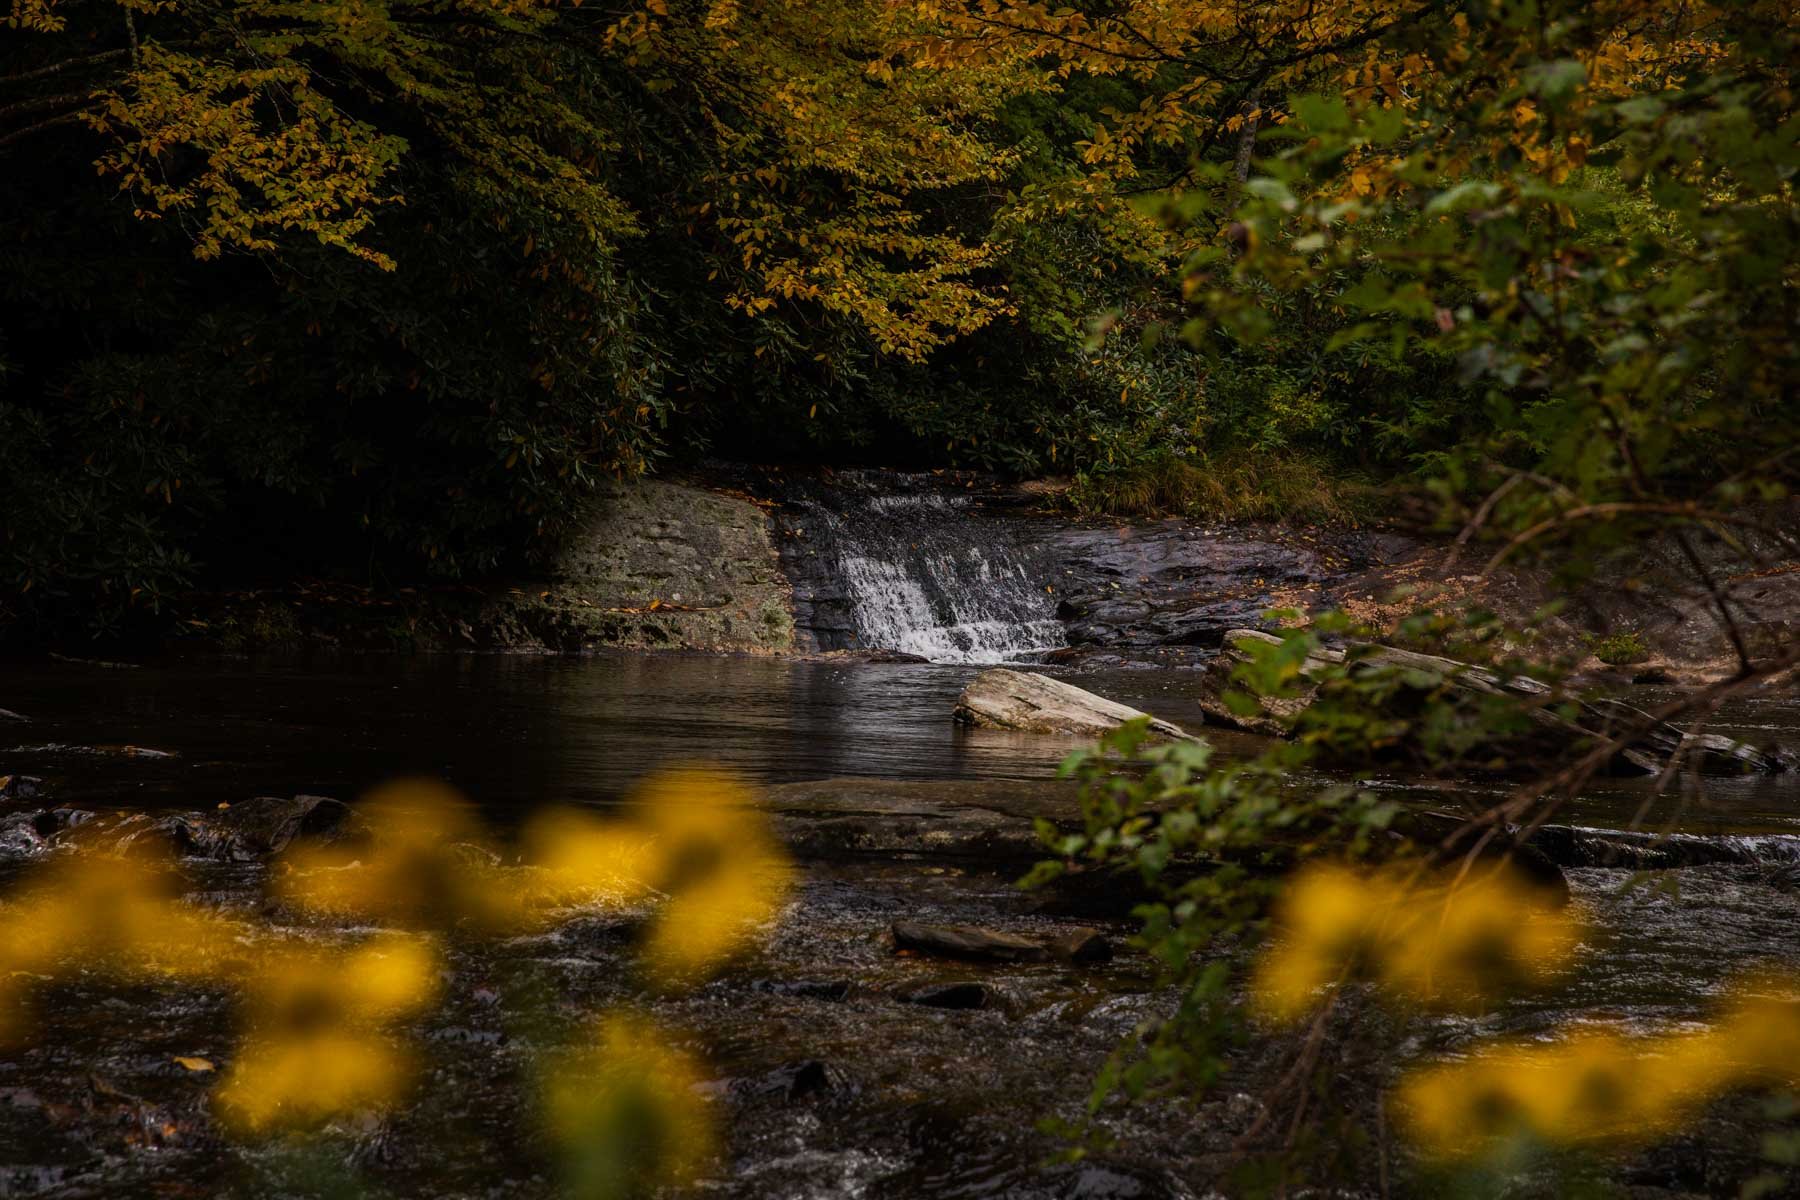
[
  {"x": 656, "y": 565},
  {"x": 1170, "y": 584}
]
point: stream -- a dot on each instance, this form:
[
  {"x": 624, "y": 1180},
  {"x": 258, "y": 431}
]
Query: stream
[
  {"x": 893, "y": 1099},
  {"x": 829, "y": 1080}
]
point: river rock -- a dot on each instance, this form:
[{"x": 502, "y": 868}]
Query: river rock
[
  {"x": 28, "y": 832},
  {"x": 257, "y": 828},
  {"x": 1635, "y": 850},
  {"x": 1032, "y": 703},
  {"x": 7, "y": 714},
  {"x": 967, "y": 942},
  {"x": 790, "y": 1081},
  {"x": 1081, "y": 946},
  {"x": 20, "y": 787},
  {"x": 1274, "y": 715},
  {"x": 964, "y": 994},
  {"x": 975, "y": 943}
]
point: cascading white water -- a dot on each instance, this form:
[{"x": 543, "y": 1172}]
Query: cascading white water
[{"x": 924, "y": 575}]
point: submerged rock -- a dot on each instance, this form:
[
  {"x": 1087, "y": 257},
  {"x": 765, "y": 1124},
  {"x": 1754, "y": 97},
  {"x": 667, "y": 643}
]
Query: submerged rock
[
  {"x": 791, "y": 1081},
  {"x": 20, "y": 787},
  {"x": 973, "y": 942},
  {"x": 1032, "y": 703},
  {"x": 967, "y": 942},
  {"x": 833, "y": 991},
  {"x": 964, "y": 994},
  {"x": 7, "y": 714}
]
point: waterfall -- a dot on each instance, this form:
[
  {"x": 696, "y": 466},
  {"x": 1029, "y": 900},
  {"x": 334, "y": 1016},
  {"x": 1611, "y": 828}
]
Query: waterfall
[{"x": 916, "y": 570}]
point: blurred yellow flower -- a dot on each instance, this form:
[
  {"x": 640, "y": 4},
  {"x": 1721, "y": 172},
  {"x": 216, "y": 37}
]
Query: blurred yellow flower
[
  {"x": 425, "y": 866},
  {"x": 715, "y": 857},
  {"x": 301, "y": 1081},
  {"x": 582, "y": 859},
  {"x": 298, "y": 990},
  {"x": 317, "y": 1049},
  {"x": 1760, "y": 1038},
  {"x": 1596, "y": 1086},
  {"x": 1421, "y": 936},
  {"x": 1585, "y": 1088},
  {"x": 694, "y": 839},
  {"x": 1327, "y": 929},
  {"x": 122, "y": 913},
  {"x": 627, "y": 1112},
  {"x": 1458, "y": 944}
]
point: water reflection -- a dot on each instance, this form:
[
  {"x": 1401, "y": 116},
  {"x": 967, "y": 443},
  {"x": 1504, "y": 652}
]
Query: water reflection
[
  {"x": 512, "y": 731},
  {"x": 516, "y": 731}
]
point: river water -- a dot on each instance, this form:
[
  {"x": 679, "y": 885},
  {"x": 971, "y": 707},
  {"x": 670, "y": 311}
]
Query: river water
[
  {"x": 512, "y": 731},
  {"x": 515, "y": 732},
  {"x": 916, "y": 1102}
]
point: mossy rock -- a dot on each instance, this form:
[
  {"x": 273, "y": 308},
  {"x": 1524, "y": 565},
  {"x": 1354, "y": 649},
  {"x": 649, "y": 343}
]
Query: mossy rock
[{"x": 656, "y": 565}]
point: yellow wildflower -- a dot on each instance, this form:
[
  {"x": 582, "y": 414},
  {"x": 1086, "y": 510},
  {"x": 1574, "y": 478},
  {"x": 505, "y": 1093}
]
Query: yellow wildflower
[
  {"x": 581, "y": 859},
  {"x": 318, "y": 1050},
  {"x": 628, "y": 1114},
  {"x": 425, "y": 866},
  {"x": 301, "y": 1081},
  {"x": 1599, "y": 1087},
  {"x": 1421, "y": 936},
  {"x": 714, "y": 855},
  {"x": 123, "y": 912}
]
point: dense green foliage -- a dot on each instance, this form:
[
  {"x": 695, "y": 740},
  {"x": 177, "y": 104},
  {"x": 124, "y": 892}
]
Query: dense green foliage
[
  {"x": 383, "y": 288},
  {"x": 1586, "y": 213}
]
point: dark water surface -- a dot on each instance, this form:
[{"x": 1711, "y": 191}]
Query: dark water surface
[
  {"x": 513, "y": 731},
  {"x": 517, "y": 731}
]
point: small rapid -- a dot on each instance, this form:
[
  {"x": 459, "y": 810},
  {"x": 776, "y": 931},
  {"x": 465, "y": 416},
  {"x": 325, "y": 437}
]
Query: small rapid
[{"x": 908, "y": 571}]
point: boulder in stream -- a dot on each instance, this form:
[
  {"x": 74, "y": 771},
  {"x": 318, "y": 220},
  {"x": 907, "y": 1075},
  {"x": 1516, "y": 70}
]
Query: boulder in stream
[
  {"x": 964, "y": 994},
  {"x": 1032, "y": 703},
  {"x": 257, "y": 828},
  {"x": 20, "y": 787},
  {"x": 973, "y": 942}
]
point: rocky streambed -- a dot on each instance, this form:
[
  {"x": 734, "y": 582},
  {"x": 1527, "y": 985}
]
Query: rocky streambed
[{"x": 901, "y": 1031}]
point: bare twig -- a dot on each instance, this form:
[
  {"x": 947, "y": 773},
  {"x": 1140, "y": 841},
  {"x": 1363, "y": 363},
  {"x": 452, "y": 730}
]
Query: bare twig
[
  {"x": 1622, "y": 508},
  {"x": 1571, "y": 778},
  {"x": 15, "y": 135},
  {"x": 67, "y": 64}
]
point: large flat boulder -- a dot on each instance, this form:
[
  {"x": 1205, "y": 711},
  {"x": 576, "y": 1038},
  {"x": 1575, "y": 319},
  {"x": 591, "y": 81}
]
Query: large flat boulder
[{"x": 1032, "y": 703}]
